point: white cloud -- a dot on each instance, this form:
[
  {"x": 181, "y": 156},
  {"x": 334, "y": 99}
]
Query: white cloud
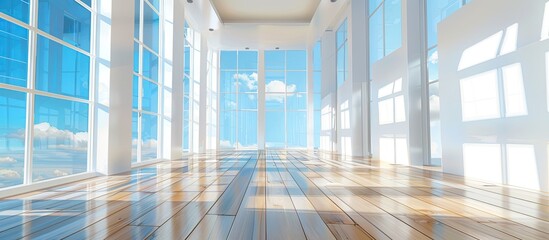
[
  {"x": 60, "y": 173},
  {"x": 44, "y": 131},
  {"x": 9, "y": 174},
  {"x": 250, "y": 80},
  {"x": 7, "y": 160},
  {"x": 276, "y": 88},
  {"x": 433, "y": 59},
  {"x": 225, "y": 144}
]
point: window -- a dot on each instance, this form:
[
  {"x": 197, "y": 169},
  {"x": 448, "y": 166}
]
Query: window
[
  {"x": 147, "y": 84},
  {"x": 317, "y": 99},
  {"x": 238, "y": 99},
  {"x": 385, "y": 27},
  {"x": 342, "y": 55},
  {"x": 286, "y": 99},
  {"x": 13, "y": 54},
  {"x": 59, "y": 98}
]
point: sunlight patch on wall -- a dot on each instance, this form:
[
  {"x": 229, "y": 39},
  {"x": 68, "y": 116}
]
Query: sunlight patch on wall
[
  {"x": 522, "y": 170},
  {"x": 346, "y": 146},
  {"x": 510, "y": 40},
  {"x": 545, "y": 23},
  {"x": 479, "y": 97},
  {"x": 515, "y": 99},
  {"x": 345, "y": 115},
  {"x": 481, "y": 52},
  {"x": 482, "y": 162},
  {"x": 394, "y": 150}
]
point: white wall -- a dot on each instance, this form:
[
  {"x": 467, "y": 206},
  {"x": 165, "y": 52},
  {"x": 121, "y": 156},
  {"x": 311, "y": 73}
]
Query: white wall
[
  {"x": 493, "y": 137},
  {"x": 398, "y": 119}
]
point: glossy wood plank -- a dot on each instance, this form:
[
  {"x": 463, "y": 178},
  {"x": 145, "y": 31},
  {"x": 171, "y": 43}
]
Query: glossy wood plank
[{"x": 276, "y": 195}]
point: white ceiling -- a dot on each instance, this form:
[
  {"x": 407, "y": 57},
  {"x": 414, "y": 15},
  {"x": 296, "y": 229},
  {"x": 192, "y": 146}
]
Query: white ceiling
[{"x": 265, "y": 11}]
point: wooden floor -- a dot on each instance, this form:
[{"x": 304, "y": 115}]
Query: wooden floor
[{"x": 276, "y": 195}]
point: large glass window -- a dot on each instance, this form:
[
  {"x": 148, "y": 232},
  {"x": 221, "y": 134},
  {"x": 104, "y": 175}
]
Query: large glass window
[
  {"x": 191, "y": 91},
  {"x": 59, "y": 97},
  {"x": 342, "y": 55},
  {"x": 238, "y": 99},
  {"x": 385, "y": 27},
  {"x": 60, "y": 141},
  {"x": 67, "y": 20},
  {"x": 12, "y": 137},
  {"x": 146, "y": 82},
  {"x": 286, "y": 99},
  {"x": 13, "y": 53}
]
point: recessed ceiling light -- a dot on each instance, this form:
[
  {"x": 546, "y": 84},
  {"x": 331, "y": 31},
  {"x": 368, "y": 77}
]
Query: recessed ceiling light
[
  {"x": 277, "y": 48},
  {"x": 330, "y": 0},
  {"x": 191, "y": 1},
  {"x": 211, "y": 29},
  {"x": 247, "y": 48}
]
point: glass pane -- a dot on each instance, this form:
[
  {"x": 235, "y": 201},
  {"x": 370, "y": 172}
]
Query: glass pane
[
  {"x": 432, "y": 64},
  {"x": 341, "y": 60},
  {"x": 296, "y": 101},
  {"x": 18, "y": 9},
  {"x": 60, "y": 142},
  {"x": 247, "y": 81},
  {"x": 13, "y": 53},
  {"x": 149, "y": 101},
  {"x": 66, "y": 20},
  {"x": 135, "y": 57},
  {"x": 341, "y": 34},
  {"x": 275, "y": 130},
  {"x": 438, "y": 10},
  {"x": 151, "y": 26},
  {"x": 228, "y": 81},
  {"x": 373, "y": 4},
  {"x": 247, "y": 101},
  {"x": 317, "y": 82},
  {"x": 137, "y": 16},
  {"x": 247, "y": 60},
  {"x": 135, "y": 92},
  {"x": 187, "y": 61},
  {"x": 393, "y": 26},
  {"x": 274, "y": 101},
  {"x": 275, "y": 82},
  {"x": 186, "y": 133},
  {"x": 376, "y": 36},
  {"x": 317, "y": 102},
  {"x": 227, "y": 102},
  {"x": 12, "y": 137},
  {"x": 228, "y": 60},
  {"x": 149, "y": 137},
  {"x": 61, "y": 70},
  {"x": 135, "y": 137},
  {"x": 155, "y": 3},
  {"x": 296, "y": 129},
  {"x": 296, "y": 60},
  {"x": 87, "y": 2},
  {"x": 247, "y": 129},
  {"x": 150, "y": 65},
  {"x": 436, "y": 140},
  {"x": 296, "y": 81},
  {"x": 227, "y": 129},
  {"x": 275, "y": 60}
]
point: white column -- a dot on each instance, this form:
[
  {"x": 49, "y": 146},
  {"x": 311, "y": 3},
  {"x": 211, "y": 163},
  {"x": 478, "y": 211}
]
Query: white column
[
  {"x": 358, "y": 71},
  {"x": 115, "y": 23},
  {"x": 418, "y": 100},
  {"x": 174, "y": 50},
  {"x": 261, "y": 100},
  {"x": 310, "y": 99},
  {"x": 202, "y": 116},
  {"x": 329, "y": 84}
]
